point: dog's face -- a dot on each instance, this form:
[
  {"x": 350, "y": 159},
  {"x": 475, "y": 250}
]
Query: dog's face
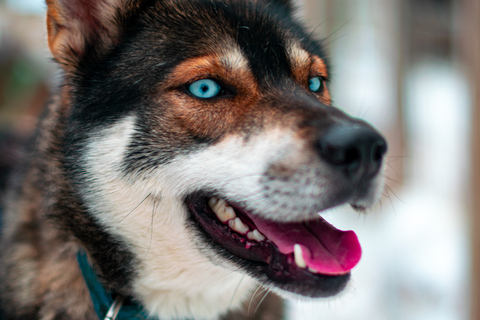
[{"x": 200, "y": 135}]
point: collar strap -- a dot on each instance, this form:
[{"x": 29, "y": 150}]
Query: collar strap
[{"x": 106, "y": 306}]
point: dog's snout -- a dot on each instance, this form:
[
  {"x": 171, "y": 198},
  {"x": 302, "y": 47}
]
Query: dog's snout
[{"x": 356, "y": 150}]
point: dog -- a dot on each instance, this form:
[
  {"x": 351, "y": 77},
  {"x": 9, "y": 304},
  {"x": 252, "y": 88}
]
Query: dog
[{"x": 179, "y": 171}]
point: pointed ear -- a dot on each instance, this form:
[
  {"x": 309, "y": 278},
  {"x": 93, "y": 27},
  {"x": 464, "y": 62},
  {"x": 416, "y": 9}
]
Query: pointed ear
[{"x": 73, "y": 25}]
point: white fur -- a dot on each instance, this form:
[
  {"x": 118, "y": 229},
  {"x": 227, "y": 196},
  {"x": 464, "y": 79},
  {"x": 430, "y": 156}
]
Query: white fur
[
  {"x": 298, "y": 56},
  {"x": 176, "y": 279}
]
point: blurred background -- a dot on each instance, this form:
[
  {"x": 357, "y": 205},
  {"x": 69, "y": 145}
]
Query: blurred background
[{"x": 412, "y": 69}]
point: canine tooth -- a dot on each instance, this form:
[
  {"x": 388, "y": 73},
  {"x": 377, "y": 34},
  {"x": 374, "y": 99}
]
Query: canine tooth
[
  {"x": 237, "y": 225},
  {"x": 255, "y": 235},
  {"x": 222, "y": 210},
  {"x": 298, "y": 255},
  {"x": 312, "y": 270},
  {"x": 216, "y": 203},
  {"x": 212, "y": 202}
]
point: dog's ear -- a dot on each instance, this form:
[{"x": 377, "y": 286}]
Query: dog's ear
[{"x": 73, "y": 25}]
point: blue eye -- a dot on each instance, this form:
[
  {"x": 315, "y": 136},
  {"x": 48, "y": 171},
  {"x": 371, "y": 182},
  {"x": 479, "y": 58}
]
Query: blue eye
[
  {"x": 315, "y": 84},
  {"x": 204, "y": 89}
]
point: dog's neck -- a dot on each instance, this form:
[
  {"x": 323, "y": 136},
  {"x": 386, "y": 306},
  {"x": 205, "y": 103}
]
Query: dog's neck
[
  {"x": 106, "y": 304},
  {"x": 116, "y": 307}
]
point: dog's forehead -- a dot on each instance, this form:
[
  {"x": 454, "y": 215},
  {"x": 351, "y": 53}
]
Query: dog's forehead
[{"x": 264, "y": 36}]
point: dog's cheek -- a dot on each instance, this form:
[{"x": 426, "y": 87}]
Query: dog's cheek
[{"x": 208, "y": 120}]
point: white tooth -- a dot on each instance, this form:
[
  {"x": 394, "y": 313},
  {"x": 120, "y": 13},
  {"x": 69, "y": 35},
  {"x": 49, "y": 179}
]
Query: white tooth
[
  {"x": 216, "y": 204},
  {"x": 237, "y": 225},
  {"x": 255, "y": 235},
  {"x": 312, "y": 270},
  {"x": 298, "y": 255},
  {"x": 222, "y": 210},
  {"x": 228, "y": 214},
  {"x": 212, "y": 202}
]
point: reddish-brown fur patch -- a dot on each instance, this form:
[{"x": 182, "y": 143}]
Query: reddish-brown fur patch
[
  {"x": 318, "y": 68},
  {"x": 55, "y": 27},
  {"x": 211, "y": 117},
  {"x": 305, "y": 66}
]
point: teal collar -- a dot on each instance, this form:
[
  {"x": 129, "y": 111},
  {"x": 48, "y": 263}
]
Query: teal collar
[{"x": 108, "y": 306}]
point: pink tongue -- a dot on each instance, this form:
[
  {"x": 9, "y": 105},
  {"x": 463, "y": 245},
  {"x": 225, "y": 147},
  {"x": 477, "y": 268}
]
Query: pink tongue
[{"x": 325, "y": 249}]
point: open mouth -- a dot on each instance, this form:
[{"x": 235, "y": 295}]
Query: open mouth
[{"x": 311, "y": 258}]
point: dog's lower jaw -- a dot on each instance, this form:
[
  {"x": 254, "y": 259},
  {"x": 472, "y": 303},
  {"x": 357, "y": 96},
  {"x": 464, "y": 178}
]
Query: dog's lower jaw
[
  {"x": 201, "y": 297},
  {"x": 174, "y": 280}
]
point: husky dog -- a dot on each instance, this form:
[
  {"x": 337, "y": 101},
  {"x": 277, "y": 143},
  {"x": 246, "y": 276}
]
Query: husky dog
[{"x": 179, "y": 170}]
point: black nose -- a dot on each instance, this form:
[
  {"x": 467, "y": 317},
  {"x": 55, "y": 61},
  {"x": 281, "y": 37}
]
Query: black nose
[{"x": 356, "y": 150}]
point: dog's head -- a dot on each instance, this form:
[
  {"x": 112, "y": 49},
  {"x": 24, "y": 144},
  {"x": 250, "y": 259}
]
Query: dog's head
[{"x": 200, "y": 136}]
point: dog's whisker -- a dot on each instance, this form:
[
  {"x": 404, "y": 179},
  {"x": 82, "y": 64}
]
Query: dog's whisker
[
  {"x": 257, "y": 195},
  {"x": 268, "y": 290},
  {"x": 151, "y": 227},
  {"x": 326, "y": 43},
  {"x": 252, "y": 298},
  {"x": 226, "y": 182},
  {"x": 235, "y": 292},
  {"x": 229, "y": 273},
  {"x": 392, "y": 168},
  {"x": 318, "y": 26},
  {"x": 393, "y": 180},
  {"x": 391, "y": 201},
  {"x": 389, "y": 159},
  {"x": 148, "y": 195},
  {"x": 391, "y": 190}
]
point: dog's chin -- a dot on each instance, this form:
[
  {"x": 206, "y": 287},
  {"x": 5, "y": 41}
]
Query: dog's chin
[{"x": 310, "y": 258}]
